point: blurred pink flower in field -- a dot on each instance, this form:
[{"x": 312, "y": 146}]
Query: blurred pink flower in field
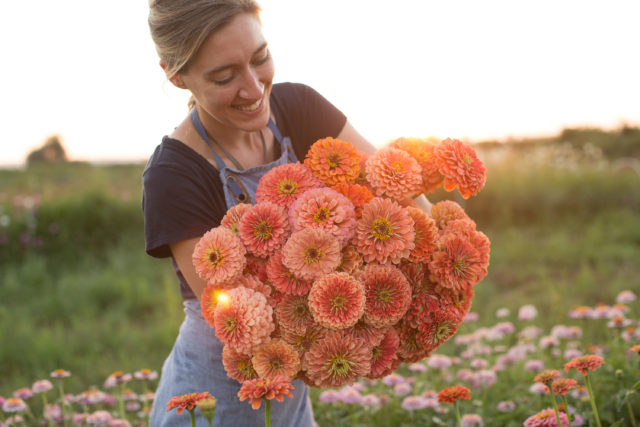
[
  {"x": 502, "y": 312},
  {"x": 132, "y": 406},
  {"x": 14, "y": 420},
  {"x": 619, "y": 322},
  {"x": 350, "y": 395},
  {"x": 625, "y": 297},
  {"x": 14, "y": 404},
  {"x": 41, "y": 386},
  {"x": 566, "y": 332},
  {"x": 538, "y": 388},
  {"x": 439, "y": 361},
  {"x": 417, "y": 367},
  {"x": 472, "y": 420},
  {"x": 465, "y": 375},
  {"x": 582, "y": 364},
  {"x": 479, "y": 363},
  {"x": 370, "y": 400},
  {"x": 580, "y": 312},
  {"x": 78, "y": 419},
  {"x": 530, "y": 333},
  {"x": 98, "y": 418},
  {"x": 393, "y": 379},
  {"x": 546, "y": 418},
  {"x": 600, "y": 311},
  {"x": 52, "y": 412},
  {"x": 484, "y": 379},
  {"x": 145, "y": 374},
  {"x": 571, "y": 353},
  {"x": 548, "y": 342},
  {"x": 534, "y": 365},
  {"x": 413, "y": 403},
  {"x": 505, "y": 328},
  {"x": 471, "y": 317},
  {"x": 580, "y": 392},
  {"x": 116, "y": 378},
  {"x": 506, "y": 406},
  {"x": 23, "y": 393},
  {"x": 402, "y": 389},
  {"x": 527, "y": 312},
  {"x": 500, "y": 348},
  {"x": 329, "y": 396}
]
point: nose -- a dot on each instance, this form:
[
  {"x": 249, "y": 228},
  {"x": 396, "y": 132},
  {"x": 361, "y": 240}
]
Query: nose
[{"x": 252, "y": 88}]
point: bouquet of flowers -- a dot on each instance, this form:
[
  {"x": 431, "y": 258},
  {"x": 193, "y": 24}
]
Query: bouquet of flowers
[{"x": 335, "y": 273}]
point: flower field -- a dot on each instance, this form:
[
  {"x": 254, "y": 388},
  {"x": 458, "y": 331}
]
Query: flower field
[{"x": 78, "y": 293}]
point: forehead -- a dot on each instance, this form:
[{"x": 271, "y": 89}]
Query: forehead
[{"x": 234, "y": 43}]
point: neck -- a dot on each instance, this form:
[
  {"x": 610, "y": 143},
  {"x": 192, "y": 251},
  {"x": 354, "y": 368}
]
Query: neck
[{"x": 227, "y": 136}]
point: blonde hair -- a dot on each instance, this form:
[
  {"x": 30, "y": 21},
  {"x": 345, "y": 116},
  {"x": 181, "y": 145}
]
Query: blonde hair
[{"x": 179, "y": 27}]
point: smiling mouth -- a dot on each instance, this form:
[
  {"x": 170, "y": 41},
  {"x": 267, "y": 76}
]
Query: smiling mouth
[{"x": 250, "y": 108}]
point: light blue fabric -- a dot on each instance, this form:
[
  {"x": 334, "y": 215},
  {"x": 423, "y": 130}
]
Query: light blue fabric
[{"x": 195, "y": 362}]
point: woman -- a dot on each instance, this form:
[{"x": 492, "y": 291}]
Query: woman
[{"x": 241, "y": 126}]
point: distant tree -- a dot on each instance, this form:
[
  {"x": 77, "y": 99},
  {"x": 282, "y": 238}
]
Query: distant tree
[{"x": 51, "y": 151}]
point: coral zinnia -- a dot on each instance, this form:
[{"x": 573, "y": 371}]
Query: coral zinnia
[
  {"x": 453, "y": 394},
  {"x": 426, "y": 235},
  {"x": 324, "y": 209},
  {"x": 394, "y": 173},
  {"x": 388, "y": 294},
  {"x": 563, "y": 385},
  {"x": 232, "y": 218},
  {"x": 283, "y": 184},
  {"x": 238, "y": 365},
  {"x": 384, "y": 232},
  {"x": 187, "y": 401},
  {"x": 437, "y": 327},
  {"x": 358, "y": 195},
  {"x": 209, "y": 300},
  {"x": 445, "y": 211},
  {"x": 245, "y": 321},
  {"x": 422, "y": 151},
  {"x": 582, "y": 364},
  {"x": 384, "y": 354},
  {"x": 302, "y": 342},
  {"x": 546, "y": 418},
  {"x": 256, "y": 266},
  {"x": 263, "y": 229},
  {"x": 337, "y": 300},
  {"x": 410, "y": 349},
  {"x": 310, "y": 254},
  {"x": 276, "y": 358},
  {"x": 351, "y": 260},
  {"x": 456, "y": 263},
  {"x": 337, "y": 360},
  {"x": 546, "y": 376},
  {"x": 283, "y": 280},
  {"x": 293, "y": 313},
  {"x": 333, "y": 161},
  {"x": 219, "y": 256},
  {"x": 366, "y": 332},
  {"x": 268, "y": 388},
  {"x": 460, "y": 166}
]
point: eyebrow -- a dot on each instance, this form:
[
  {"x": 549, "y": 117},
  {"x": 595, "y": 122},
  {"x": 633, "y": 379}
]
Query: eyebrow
[{"x": 224, "y": 67}]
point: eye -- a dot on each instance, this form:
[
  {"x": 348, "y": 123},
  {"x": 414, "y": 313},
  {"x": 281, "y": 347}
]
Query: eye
[
  {"x": 223, "y": 79},
  {"x": 264, "y": 57}
]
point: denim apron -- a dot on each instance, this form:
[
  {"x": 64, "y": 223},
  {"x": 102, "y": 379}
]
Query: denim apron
[{"x": 195, "y": 362}]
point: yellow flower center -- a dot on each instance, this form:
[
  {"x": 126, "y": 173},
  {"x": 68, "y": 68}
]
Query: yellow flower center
[
  {"x": 246, "y": 368},
  {"x": 397, "y": 166},
  {"x": 287, "y": 186},
  {"x": 322, "y": 215},
  {"x": 381, "y": 229},
  {"x": 230, "y": 324},
  {"x": 468, "y": 159},
  {"x": 301, "y": 310},
  {"x": 339, "y": 366},
  {"x": 338, "y": 301},
  {"x": 215, "y": 257},
  {"x": 377, "y": 351},
  {"x": 313, "y": 255},
  {"x": 333, "y": 160},
  {"x": 384, "y": 295},
  {"x": 276, "y": 363},
  {"x": 263, "y": 231}
]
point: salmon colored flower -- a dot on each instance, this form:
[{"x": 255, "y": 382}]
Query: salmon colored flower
[
  {"x": 422, "y": 151},
  {"x": 293, "y": 313},
  {"x": 218, "y": 257},
  {"x": 547, "y": 376},
  {"x": 582, "y": 364},
  {"x": 466, "y": 229},
  {"x": 337, "y": 301},
  {"x": 283, "y": 280},
  {"x": 384, "y": 354},
  {"x": 456, "y": 263},
  {"x": 366, "y": 332},
  {"x": 388, "y": 294},
  {"x": 265, "y": 388},
  {"x": 324, "y": 209},
  {"x": 232, "y": 218},
  {"x": 410, "y": 349},
  {"x": 60, "y": 373},
  {"x": 358, "y": 195},
  {"x": 445, "y": 211},
  {"x": 333, "y": 161},
  {"x": 384, "y": 232},
  {"x": 283, "y": 184},
  {"x": 14, "y": 404},
  {"x": 245, "y": 321},
  {"x": 453, "y": 394},
  {"x": 337, "y": 360},
  {"x": 437, "y": 327},
  {"x": 302, "y": 342},
  {"x": 394, "y": 173},
  {"x": 546, "y": 418},
  {"x": 563, "y": 385},
  {"x": 460, "y": 166},
  {"x": 635, "y": 349},
  {"x": 237, "y": 365},
  {"x": 310, "y": 254},
  {"x": 350, "y": 260},
  {"x": 276, "y": 358},
  {"x": 256, "y": 266},
  {"x": 187, "y": 401},
  {"x": 209, "y": 300},
  {"x": 426, "y": 235},
  {"x": 263, "y": 229}
]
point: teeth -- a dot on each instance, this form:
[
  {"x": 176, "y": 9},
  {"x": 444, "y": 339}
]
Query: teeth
[{"x": 251, "y": 107}]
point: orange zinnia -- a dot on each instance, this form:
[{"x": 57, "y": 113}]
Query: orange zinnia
[
  {"x": 452, "y": 394},
  {"x": 333, "y": 161}
]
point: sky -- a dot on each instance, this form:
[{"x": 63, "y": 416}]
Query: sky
[{"x": 468, "y": 69}]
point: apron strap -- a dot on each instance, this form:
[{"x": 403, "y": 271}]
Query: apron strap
[{"x": 203, "y": 134}]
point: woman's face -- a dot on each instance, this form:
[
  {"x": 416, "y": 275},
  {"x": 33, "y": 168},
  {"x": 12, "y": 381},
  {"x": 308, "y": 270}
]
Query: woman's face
[{"x": 231, "y": 76}]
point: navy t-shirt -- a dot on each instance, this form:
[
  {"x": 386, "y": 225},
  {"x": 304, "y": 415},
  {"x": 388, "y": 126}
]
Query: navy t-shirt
[{"x": 182, "y": 193}]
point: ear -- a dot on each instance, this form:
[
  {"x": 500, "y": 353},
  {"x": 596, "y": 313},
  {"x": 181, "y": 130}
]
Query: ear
[{"x": 175, "y": 79}]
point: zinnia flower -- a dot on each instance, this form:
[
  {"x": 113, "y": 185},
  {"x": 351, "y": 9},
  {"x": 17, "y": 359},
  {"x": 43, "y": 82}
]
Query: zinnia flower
[
  {"x": 302, "y": 342},
  {"x": 337, "y": 300},
  {"x": 60, "y": 373},
  {"x": 410, "y": 349},
  {"x": 283, "y": 184},
  {"x": 437, "y": 328},
  {"x": 209, "y": 301},
  {"x": 384, "y": 232},
  {"x": 293, "y": 313},
  {"x": 456, "y": 263},
  {"x": 366, "y": 332},
  {"x": 384, "y": 354},
  {"x": 358, "y": 195},
  {"x": 283, "y": 280},
  {"x": 452, "y": 394},
  {"x": 219, "y": 257},
  {"x": 582, "y": 364},
  {"x": 388, "y": 294},
  {"x": 187, "y": 401},
  {"x": 422, "y": 151},
  {"x": 445, "y": 211},
  {"x": 563, "y": 385},
  {"x": 394, "y": 173},
  {"x": 256, "y": 266},
  {"x": 310, "y": 254},
  {"x": 546, "y": 418},
  {"x": 276, "y": 358},
  {"x": 268, "y": 388},
  {"x": 41, "y": 386},
  {"x": 350, "y": 260},
  {"x": 333, "y": 161},
  {"x": 245, "y": 321},
  {"x": 337, "y": 360},
  {"x": 547, "y": 376},
  {"x": 326, "y": 210},
  {"x": 14, "y": 404},
  {"x": 232, "y": 218},
  {"x": 238, "y": 365},
  {"x": 460, "y": 166},
  {"x": 426, "y": 235},
  {"x": 263, "y": 229}
]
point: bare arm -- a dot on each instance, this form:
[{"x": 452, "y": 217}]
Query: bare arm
[{"x": 182, "y": 251}]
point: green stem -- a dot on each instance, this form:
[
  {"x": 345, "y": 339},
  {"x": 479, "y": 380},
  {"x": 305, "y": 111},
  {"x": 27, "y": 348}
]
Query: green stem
[
  {"x": 62, "y": 402},
  {"x": 192, "y": 414},
  {"x": 44, "y": 408},
  {"x": 632, "y": 416},
  {"x": 592, "y": 399},
  {"x": 566, "y": 408},
  {"x": 552, "y": 395},
  {"x": 210, "y": 420},
  {"x": 457, "y": 410},
  {"x": 267, "y": 414},
  {"x": 121, "y": 402}
]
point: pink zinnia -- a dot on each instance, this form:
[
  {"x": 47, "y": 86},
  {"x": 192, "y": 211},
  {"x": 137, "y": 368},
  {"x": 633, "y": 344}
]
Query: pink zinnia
[
  {"x": 238, "y": 365},
  {"x": 358, "y": 195},
  {"x": 232, "y": 218},
  {"x": 350, "y": 260},
  {"x": 245, "y": 321},
  {"x": 547, "y": 376},
  {"x": 385, "y": 232},
  {"x": 582, "y": 364},
  {"x": 460, "y": 166},
  {"x": 426, "y": 235},
  {"x": 293, "y": 313},
  {"x": 410, "y": 350},
  {"x": 326, "y": 210},
  {"x": 14, "y": 404},
  {"x": 337, "y": 360},
  {"x": 265, "y": 388},
  {"x": 366, "y": 332},
  {"x": 337, "y": 300},
  {"x": 263, "y": 229},
  {"x": 456, "y": 263},
  {"x": 276, "y": 358},
  {"x": 219, "y": 257},
  {"x": 466, "y": 229},
  {"x": 563, "y": 385},
  {"x": 187, "y": 401},
  {"x": 41, "y": 386},
  {"x": 394, "y": 173},
  {"x": 422, "y": 151},
  {"x": 546, "y": 418},
  {"x": 283, "y": 280},
  {"x": 283, "y": 184},
  {"x": 384, "y": 354},
  {"x": 256, "y": 266},
  {"x": 437, "y": 328},
  {"x": 310, "y": 254},
  {"x": 445, "y": 211},
  {"x": 388, "y": 294},
  {"x": 302, "y": 342}
]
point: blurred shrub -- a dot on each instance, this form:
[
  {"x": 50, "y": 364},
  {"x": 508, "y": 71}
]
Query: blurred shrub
[
  {"x": 51, "y": 151},
  {"x": 624, "y": 142}
]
